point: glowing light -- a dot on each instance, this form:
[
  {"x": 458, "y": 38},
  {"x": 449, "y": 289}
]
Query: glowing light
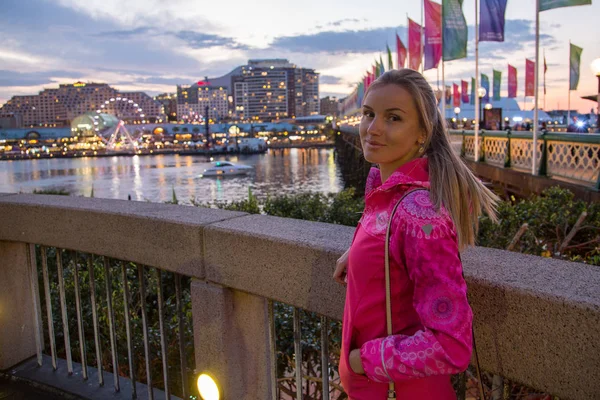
[{"x": 208, "y": 388}]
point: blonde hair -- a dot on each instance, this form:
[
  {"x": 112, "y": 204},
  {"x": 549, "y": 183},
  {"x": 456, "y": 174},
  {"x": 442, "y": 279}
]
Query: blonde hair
[{"x": 453, "y": 185}]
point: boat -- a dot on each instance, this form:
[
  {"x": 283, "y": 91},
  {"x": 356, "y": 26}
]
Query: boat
[{"x": 226, "y": 168}]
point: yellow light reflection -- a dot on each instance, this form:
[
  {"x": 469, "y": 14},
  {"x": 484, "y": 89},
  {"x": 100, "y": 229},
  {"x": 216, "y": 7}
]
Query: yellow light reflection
[{"x": 208, "y": 388}]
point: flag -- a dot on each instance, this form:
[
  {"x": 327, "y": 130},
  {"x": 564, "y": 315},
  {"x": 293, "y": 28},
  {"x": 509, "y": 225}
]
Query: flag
[
  {"x": 448, "y": 94},
  {"x": 529, "y": 78},
  {"x": 497, "y": 80},
  {"x": 485, "y": 83},
  {"x": 465, "y": 91},
  {"x": 545, "y": 70},
  {"x": 456, "y": 97},
  {"x": 454, "y": 27},
  {"x": 491, "y": 17},
  {"x": 512, "y": 81},
  {"x": 374, "y": 75},
  {"x": 433, "y": 34},
  {"x": 472, "y": 91},
  {"x": 574, "y": 64},
  {"x": 390, "y": 59},
  {"x": 381, "y": 68},
  {"x": 414, "y": 44},
  {"x": 401, "y": 52},
  {"x": 550, "y": 4}
]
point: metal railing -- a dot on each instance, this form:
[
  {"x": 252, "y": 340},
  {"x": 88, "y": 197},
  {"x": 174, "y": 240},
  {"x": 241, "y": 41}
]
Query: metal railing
[
  {"x": 66, "y": 274},
  {"x": 566, "y": 156},
  {"x": 573, "y": 157}
]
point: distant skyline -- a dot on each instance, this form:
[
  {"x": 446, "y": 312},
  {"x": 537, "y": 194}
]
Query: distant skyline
[{"x": 152, "y": 45}]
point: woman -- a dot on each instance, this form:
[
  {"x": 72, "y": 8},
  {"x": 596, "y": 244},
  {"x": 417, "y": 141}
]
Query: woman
[{"x": 403, "y": 132}]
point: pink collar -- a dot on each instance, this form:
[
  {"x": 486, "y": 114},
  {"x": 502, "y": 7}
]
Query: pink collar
[{"x": 413, "y": 173}]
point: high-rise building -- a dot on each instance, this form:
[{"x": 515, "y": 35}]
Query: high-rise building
[
  {"x": 329, "y": 106},
  {"x": 261, "y": 90},
  {"x": 169, "y": 103},
  {"x": 192, "y": 102},
  {"x": 58, "y": 107}
]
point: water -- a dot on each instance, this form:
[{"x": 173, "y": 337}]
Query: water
[{"x": 153, "y": 178}]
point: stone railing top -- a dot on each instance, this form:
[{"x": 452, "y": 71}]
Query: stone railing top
[{"x": 536, "y": 319}]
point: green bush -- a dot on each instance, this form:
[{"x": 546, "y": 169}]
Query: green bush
[{"x": 550, "y": 217}]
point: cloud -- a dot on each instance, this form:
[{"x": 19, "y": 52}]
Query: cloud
[
  {"x": 13, "y": 78},
  {"x": 520, "y": 34},
  {"x": 343, "y": 21},
  {"x": 344, "y": 42},
  {"x": 328, "y": 79}
]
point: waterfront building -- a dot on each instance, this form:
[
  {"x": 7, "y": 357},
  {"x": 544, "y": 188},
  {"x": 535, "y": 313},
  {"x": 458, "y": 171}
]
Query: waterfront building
[
  {"x": 57, "y": 107},
  {"x": 329, "y": 106},
  {"x": 262, "y": 90}
]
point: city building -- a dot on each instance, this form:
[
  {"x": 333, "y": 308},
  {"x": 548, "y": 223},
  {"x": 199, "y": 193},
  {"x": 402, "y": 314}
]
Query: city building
[
  {"x": 169, "y": 103},
  {"x": 59, "y": 106},
  {"x": 329, "y": 106},
  {"x": 262, "y": 90}
]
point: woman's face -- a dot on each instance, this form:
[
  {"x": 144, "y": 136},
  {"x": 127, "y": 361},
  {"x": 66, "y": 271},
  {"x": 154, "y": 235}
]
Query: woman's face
[{"x": 390, "y": 131}]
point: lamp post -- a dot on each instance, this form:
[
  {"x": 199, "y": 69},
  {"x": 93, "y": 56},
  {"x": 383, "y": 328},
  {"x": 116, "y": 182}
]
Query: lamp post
[
  {"x": 481, "y": 92},
  {"x": 596, "y": 69}
]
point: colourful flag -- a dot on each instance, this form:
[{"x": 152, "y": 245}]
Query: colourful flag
[
  {"x": 455, "y": 30},
  {"x": 414, "y": 44},
  {"x": 497, "y": 80},
  {"x": 433, "y": 34},
  {"x": 491, "y": 16},
  {"x": 448, "y": 94},
  {"x": 456, "y": 97},
  {"x": 375, "y": 74},
  {"x": 550, "y": 4},
  {"x": 545, "y": 70},
  {"x": 465, "y": 91},
  {"x": 574, "y": 64},
  {"x": 485, "y": 83},
  {"x": 529, "y": 78},
  {"x": 381, "y": 68},
  {"x": 401, "y": 52},
  {"x": 390, "y": 59},
  {"x": 512, "y": 81},
  {"x": 472, "y": 91}
]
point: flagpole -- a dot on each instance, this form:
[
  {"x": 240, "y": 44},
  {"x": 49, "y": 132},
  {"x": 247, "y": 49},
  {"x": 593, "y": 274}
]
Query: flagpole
[
  {"x": 408, "y": 55},
  {"x": 443, "y": 76},
  {"x": 536, "y": 83},
  {"x": 544, "y": 79},
  {"x": 422, "y": 38},
  {"x": 476, "y": 81},
  {"x": 569, "y": 89}
]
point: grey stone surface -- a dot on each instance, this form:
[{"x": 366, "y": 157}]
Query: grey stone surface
[
  {"x": 160, "y": 235},
  {"x": 283, "y": 259},
  {"x": 231, "y": 340},
  {"x": 17, "y": 340},
  {"x": 537, "y": 320}
]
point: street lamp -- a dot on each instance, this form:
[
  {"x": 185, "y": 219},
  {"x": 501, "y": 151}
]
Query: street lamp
[
  {"x": 481, "y": 92},
  {"x": 596, "y": 69}
]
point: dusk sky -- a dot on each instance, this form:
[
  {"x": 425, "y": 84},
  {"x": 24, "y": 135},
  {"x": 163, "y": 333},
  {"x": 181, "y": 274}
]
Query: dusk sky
[{"x": 153, "y": 45}]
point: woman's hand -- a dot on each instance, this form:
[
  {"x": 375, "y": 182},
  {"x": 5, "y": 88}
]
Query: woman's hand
[
  {"x": 356, "y": 362},
  {"x": 340, "y": 268}
]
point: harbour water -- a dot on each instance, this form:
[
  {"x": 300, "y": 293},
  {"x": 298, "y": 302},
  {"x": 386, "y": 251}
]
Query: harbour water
[{"x": 154, "y": 178}]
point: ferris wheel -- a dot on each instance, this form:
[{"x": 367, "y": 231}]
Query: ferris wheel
[{"x": 123, "y": 108}]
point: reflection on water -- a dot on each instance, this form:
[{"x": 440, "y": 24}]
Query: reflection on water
[{"x": 153, "y": 178}]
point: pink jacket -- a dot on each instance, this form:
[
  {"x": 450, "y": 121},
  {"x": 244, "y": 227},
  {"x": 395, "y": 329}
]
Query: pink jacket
[{"x": 431, "y": 316}]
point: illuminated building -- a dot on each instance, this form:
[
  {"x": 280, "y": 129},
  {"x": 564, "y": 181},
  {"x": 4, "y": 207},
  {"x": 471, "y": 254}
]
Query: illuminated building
[{"x": 59, "y": 106}]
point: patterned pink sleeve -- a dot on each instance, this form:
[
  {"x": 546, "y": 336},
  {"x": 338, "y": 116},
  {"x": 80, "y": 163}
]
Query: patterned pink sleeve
[{"x": 427, "y": 240}]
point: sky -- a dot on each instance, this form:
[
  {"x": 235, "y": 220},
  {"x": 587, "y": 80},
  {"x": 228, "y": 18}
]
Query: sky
[{"x": 153, "y": 45}]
